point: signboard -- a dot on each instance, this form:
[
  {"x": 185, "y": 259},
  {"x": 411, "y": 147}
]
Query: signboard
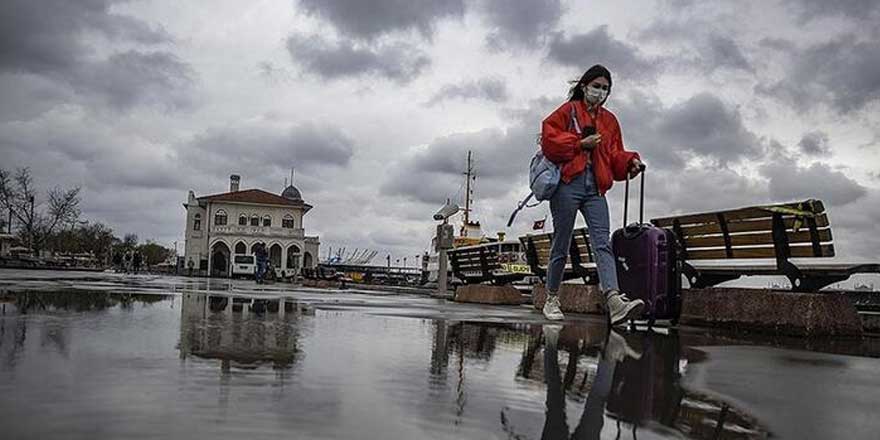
[
  {"x": 516, "y": 268},
  {"x": 444, "y": 236}
]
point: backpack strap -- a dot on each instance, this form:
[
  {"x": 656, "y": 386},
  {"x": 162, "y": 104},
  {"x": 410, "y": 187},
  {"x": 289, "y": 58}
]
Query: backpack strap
[
  {"x": 522, "y": 204},
  {"x": 573, "y": 123}
]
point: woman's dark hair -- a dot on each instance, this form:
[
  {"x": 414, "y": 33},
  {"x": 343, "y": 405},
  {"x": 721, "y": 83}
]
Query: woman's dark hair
[{"x": 576, "y": 93}]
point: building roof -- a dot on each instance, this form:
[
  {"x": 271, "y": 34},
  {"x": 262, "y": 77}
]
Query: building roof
[{"x": 256, "y": 196}]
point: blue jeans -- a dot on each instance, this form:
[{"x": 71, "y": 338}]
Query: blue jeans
[
  {"x": 261, "y": 271},
  {"x": 581, "y": 195}
]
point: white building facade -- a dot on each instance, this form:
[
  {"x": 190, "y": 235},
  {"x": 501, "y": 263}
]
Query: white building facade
[{"x": 220, "y": 226}]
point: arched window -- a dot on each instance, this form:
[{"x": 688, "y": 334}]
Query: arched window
[
  {"x": 267, "y": 221},
  {"x": 197, "y": 222},
  {"x": 254, "y": 246},
  {"x": 220, "y": 218},
  {"x": 287, "y": 221},
  {"x": 242, "y": 220},
  {"x": 293, "y": 257},
  {"x": 240, "y": 248},
  {"x": 255, "y": 220}
]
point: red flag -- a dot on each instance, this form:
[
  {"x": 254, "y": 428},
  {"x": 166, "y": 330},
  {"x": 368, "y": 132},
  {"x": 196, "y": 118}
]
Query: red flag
[{"x": 539, "y": 224}]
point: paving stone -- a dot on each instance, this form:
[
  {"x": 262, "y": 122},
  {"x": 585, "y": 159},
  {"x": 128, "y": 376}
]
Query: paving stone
[
  {"x": 489, "y": 294},
  {"x": 577, "y": 298},
  {"x": 782, "y": 312}
]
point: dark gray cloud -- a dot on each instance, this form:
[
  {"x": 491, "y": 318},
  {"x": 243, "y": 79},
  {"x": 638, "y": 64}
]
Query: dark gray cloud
[
  {"x": 708, "y": 127},
  {"x": 45, "y": 36},
  {"x": 370, "y": 19},
  {"x": 696, "y": 43},
  {"x": 489, "y": 89},
  {"x": 256, "y": 150},
  {"x": 520, "y": 23},
  {"x": 398, "y": 62},
  {"x": 816, "y": 9},
  {"x": 639, "y": 116},
  {"x": 702, "y": 126},
  {"x": 26, "y": 96},
  {"x": 843, "y": 73},
  {"x": 791, "y": 182},
  {"x": 434, "y": 174},
  {"x": 133, "y": 77},
  {"x": 723, "y": 52},
  {"x": 431, "y": 174},
  {"x": 599, "y": 47},
  {"x": 48, "y": 38},
  {"x": 815, "y": 143}
]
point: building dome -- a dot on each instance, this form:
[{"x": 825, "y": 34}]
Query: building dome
[{"x": 291, "y": 193}]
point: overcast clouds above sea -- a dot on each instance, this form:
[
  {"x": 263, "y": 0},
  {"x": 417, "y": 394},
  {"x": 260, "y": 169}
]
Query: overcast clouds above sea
[{"x": 376, "y": 103}]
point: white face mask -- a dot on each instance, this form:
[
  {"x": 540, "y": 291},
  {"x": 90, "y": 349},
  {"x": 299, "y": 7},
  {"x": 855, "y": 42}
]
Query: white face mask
[{"x": 594, "y": 95}]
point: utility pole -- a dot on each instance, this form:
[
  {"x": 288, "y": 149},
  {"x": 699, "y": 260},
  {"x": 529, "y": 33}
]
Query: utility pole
[
  {"x": 31, "y": 227},
  {"x": 469, "y": 175}
]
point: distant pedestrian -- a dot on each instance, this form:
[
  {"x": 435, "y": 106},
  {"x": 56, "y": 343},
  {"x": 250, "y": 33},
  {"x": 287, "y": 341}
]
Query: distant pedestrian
[
  {"x": 583, "y": 138},
  {"x": 137, "y": 259},
  {"x": 126, "y": 262},
  {"x": 262, "y": 258}
]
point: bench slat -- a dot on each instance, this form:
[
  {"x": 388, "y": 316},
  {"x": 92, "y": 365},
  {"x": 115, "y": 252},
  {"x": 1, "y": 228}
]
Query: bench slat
[
  {"x": 745, "y": 226},
  {"x": 734, "y": 214},
  {"x": 757, "y": 252},
  {"x": 760, "y": 238}
]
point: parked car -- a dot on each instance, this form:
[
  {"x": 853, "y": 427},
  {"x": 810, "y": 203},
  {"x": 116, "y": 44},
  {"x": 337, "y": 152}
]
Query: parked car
[{"x": 244, "y": 266}]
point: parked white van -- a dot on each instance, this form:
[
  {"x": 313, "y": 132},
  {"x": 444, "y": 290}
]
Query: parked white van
[{"x": 244, "y": 265}]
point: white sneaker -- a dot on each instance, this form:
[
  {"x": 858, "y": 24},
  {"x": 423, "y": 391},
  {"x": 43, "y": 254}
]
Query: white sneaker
[
  {"x": 551, "y": 333},
  {"x": 551, "y": 308},
  {"x": 617, "y": 348},
  {"x": 621, "y": 309}
]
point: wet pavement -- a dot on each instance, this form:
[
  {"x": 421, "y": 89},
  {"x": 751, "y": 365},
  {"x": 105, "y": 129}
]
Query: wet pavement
[{"x": 85, "y": 355}]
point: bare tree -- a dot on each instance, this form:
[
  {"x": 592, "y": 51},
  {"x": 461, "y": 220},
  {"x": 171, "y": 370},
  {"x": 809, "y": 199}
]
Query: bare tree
[{"x": 37, "y": 220}]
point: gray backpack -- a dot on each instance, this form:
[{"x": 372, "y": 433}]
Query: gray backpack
[{"x": 544, "y": 175}]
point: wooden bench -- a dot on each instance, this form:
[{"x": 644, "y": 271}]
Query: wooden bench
[
  {"x": 479, "y": 264},
  {"x": 580, "y": 263},
  {"x": 714, "y": 245}
]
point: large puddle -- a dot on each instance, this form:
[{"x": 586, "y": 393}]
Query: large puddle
[{"x": 105, "y": 364}]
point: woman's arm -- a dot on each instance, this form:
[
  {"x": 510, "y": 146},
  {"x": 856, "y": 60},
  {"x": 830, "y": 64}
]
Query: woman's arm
[
  {"x": 620, "y": 158},
  {"x": 558, "y": 144}
]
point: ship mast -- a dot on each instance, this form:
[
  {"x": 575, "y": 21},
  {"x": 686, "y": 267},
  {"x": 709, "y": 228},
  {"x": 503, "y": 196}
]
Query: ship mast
[{"x": 469, "y": 175}]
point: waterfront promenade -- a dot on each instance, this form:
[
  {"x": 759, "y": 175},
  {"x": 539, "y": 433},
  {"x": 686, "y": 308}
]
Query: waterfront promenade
[{"x": 86, "y": 355}]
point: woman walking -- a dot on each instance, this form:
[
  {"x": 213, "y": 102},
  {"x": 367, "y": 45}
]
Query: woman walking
[{"x": 584, "y": 139}]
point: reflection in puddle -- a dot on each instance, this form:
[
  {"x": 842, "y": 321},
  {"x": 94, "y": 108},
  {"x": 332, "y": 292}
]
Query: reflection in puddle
[
  {"x": 288, "y": 369},
  {"x": 240, "y": 332}
]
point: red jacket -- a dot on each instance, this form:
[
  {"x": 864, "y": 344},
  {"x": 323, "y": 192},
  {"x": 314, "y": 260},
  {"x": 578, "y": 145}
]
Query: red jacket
[{"x": 562, "y": 146}]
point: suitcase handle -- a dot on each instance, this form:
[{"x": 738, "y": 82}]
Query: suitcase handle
[{"x": 641, "y": 197}]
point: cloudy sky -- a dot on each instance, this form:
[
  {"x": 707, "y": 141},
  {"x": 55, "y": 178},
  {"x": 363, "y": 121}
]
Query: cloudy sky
[{"x": 376, "y": 103}]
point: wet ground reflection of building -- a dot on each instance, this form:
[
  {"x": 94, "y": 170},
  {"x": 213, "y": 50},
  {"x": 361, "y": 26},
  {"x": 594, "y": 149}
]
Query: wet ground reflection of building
[{"x": 240, "y": 332}]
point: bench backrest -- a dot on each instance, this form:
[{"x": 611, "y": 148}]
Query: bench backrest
[
  {"x": 474, "y": 263},
  {"x": 537, "y": 249},
  {"x": 781, "y": 231}
]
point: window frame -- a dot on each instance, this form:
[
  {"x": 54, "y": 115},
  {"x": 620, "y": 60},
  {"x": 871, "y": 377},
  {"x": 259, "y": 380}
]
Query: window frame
[
  {"x": 220, "y": 214},
  {"x": 288, "y": 218}
]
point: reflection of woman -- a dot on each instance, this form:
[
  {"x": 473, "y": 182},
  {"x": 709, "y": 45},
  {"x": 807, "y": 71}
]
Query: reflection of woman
[
  {"x": 593, "y": 417},
  {"x": 584, "y": 139}
]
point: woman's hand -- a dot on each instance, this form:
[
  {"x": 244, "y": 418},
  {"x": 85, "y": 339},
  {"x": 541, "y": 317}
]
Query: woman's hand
[
  {"x": 590, "y": 142},
  {"x": 635, "y": 167}
]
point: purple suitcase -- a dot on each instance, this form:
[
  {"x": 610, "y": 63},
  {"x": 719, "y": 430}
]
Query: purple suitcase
[{"x": 647, "y": 264}]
